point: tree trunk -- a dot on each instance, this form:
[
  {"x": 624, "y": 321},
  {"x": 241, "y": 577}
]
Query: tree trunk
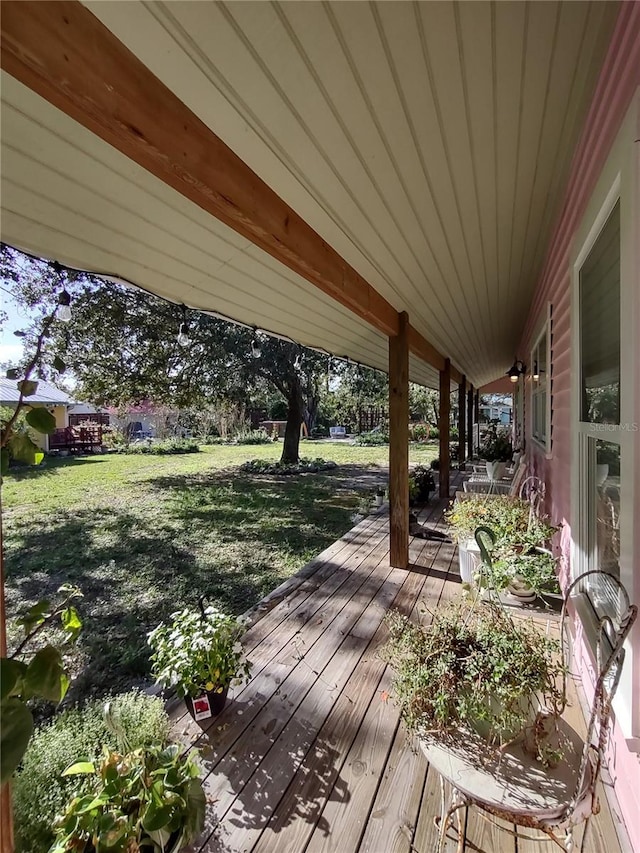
[{"x": 290, "y": 451}]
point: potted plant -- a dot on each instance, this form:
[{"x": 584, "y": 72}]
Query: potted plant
[
  {"x": 473, "y": 667},
  {"x": 515, "y": 528},
  {"x": 200, "y": 655},
  {"x": 496, "y": 450},
  {"x": 379, "y": 496},
  {"x": 150, "y": 799},
  {"x": 425, "y": 483}
]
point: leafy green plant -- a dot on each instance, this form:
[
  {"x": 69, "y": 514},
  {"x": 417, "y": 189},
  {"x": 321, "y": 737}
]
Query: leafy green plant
[
  {"x": 534, "y": 569},
  {"x": 254, "y": 436},
  {"x": 511, "y": 520},
  {"x": 150, "y": 798},
  {"x": 424, "y": 482},
  {"x": 39, "y": 790},
  {"x": 372, "y": 439},
  {"x": 420, "y": 432},
  {"x": 199, "y": 651},
  {"x": 304, "y": 466},
  {"x": 163, "y": 448},
  {"x": 473, "y": 666},
  {"x": 27, "y": 674},
  {"x": 496, "y": 446}
]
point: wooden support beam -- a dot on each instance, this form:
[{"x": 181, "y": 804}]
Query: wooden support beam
[
  {"x": 462, "y": 420},
  {"x": 399, "y": 445},
  {"x": 67, "y": 56},
  {"x": 470, "y": 422},
  {"x": 444, "y": 427},
  {"x": 421, "y": 347}
]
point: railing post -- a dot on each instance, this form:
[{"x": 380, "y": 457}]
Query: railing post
[
  {"x": 462, "y": 420},
  {"x": 443, "y": 427},
  {"x": 470, "y": 422},
  {"x": 399, "y": 444}
]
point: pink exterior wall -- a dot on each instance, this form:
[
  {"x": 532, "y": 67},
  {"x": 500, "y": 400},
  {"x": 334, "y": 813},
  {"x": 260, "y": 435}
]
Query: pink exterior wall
[{"x": 618, "y": 81}]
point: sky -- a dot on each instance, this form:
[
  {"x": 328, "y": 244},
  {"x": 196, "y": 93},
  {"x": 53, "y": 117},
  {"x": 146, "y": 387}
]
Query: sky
[{"x": 10, "y": 346}]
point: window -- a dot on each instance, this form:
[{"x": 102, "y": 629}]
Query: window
[
  {"x": 599, "y": 405},
  {"x": 541, "y": 385}
]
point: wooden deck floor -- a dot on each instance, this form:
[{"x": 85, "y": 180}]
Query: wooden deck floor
[{"x": 311, "y": 757}]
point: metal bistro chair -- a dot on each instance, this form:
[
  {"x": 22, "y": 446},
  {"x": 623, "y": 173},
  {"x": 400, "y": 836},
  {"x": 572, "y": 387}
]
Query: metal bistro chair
[{"x": 515, "y": 788}]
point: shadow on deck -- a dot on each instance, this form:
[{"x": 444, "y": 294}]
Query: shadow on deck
[{"x": 311, "y": 755}]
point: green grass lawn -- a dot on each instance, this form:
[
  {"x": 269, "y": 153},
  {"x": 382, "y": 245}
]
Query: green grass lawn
[{"x": 144, "y": 535}]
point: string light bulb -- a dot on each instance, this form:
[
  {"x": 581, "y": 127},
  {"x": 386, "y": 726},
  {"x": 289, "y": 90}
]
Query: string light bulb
[
  {"x": 297, "y": 364},
  {"x": 256, "y": 349},
  {"x": 536, "y": 372},
  {"x": 64, "y": 299},
  {"x": 64, "y": 307},
  {"x": 183, "y": 332}
]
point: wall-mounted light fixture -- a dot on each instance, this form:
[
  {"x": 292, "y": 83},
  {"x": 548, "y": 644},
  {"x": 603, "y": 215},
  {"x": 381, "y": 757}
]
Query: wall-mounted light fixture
[{"x": 517, "y": 369}]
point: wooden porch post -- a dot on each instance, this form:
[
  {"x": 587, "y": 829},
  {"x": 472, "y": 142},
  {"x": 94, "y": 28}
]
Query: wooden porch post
[
  {"x": 462, "y": 420},
  {"x": 399, "y": 444},
  {"x": 470, "y": 422},
  {"x": 443, "y": 427}
]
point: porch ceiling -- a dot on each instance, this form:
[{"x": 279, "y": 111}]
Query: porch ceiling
[{"x": 427, "y": 143}]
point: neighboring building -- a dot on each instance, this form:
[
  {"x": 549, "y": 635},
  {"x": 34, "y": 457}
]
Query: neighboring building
[
  {"x": 500, "y": 412},
  {"x": 48, "y": 396}
]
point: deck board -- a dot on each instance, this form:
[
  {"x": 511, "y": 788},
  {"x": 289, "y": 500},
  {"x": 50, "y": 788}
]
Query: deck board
[{"x": 311, "y": 756}]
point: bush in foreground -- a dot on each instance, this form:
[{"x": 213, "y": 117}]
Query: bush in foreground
[{"x": 39, "y": 790}]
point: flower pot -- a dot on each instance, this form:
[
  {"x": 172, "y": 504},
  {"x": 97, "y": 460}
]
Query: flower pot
[
  {"x": 379, "y": 500},
  {"x": 495, "y": 470},
  {"x": 469, "y": 559},
  {"x": 602, "y": 472},
  {"x": 216, "y": 700}
]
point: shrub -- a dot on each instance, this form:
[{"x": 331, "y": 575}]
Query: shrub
[
  {"x": 510, "y": 519},
  {"x": 114, "y": 438},
  {"x": 421, "y": 432},
  {"x": 254, "y": 436},
  {"x": 39, "y": 790},
  {"x": 213, "y": 439},
  {"x": 304, "y": 466},
  {"x": 372, "y": 439},
  {"x": 165, "y": 448}
]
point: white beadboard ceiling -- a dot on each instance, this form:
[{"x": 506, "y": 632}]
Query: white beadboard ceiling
[{"x": 429, "y": 143}]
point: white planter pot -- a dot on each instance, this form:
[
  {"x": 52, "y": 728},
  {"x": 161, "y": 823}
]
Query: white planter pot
[
  {"x": 469, "y": 559},
  {"x": 602, "y": 472},
  {"x": 379, "y": 500},
  {"x": 495, "y": 470}
]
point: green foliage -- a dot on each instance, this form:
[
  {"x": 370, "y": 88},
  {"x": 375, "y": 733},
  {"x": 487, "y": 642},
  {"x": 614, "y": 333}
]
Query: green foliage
[
  {"x": 40, "y": 791},
  {"x": 26, "y": 675},
  {"x": 304, "y": 466},
  {"x": 511, "y": 520},
  {"x": 254, "y": 436},
  {"x": 424, "y": 482},
  {"x": 18, "y": 445},
  {"x": 41, "y": 420},
  {"x": 534, "y": 569},
  {"x": 137, "y": 800},
  {"x": 162, "y": 448},
  {"x": 199, "y": 651},
  {"x": 372, "y": 439},
  {"x": 114, "y": 438},
  {"x": 496, "y": 446},
  {"x": 420, "y": 432},
  {"x": 472, "y": 666}
]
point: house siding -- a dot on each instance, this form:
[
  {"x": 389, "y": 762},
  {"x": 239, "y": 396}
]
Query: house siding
[{"x": 615, "y": 94}]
